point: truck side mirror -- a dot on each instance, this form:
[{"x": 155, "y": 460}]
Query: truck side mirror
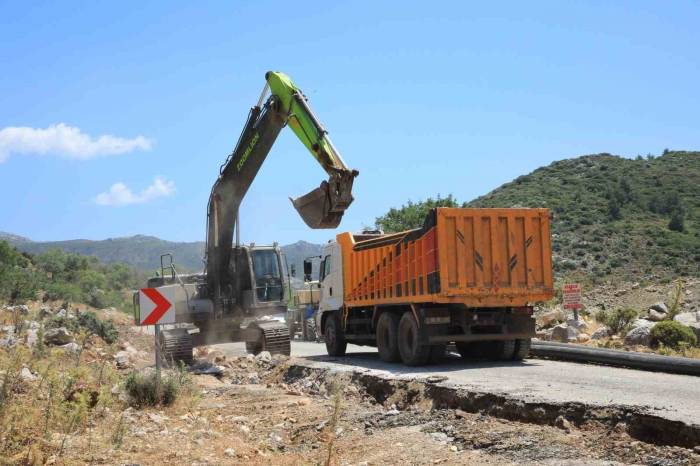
[
  {"x": 307, "y": 268},
  {"x": 293, "y": 270}
]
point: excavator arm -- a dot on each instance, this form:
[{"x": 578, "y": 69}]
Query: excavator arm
[{"x": 321, "y": 208}]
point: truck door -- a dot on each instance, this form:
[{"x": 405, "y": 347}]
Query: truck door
[{"x": 331, "y": 278}]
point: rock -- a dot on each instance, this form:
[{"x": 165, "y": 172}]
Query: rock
[
  {"x": 579, "y": 325},
  {"x": 263, "y": 356},
  {"x": 62, "y": 313},
  {"x": 659, "y": 307},
  {"x": 7, "y": 342},
  {"x": 602, "y": 332},
  {"x": 550, "y": 318},
  {"x": 32, "y": 337},
  {"x": 690, "y": 319},
  {"x": 583, "y": 337},
  {"x": 122, "y": 359},
  {"x": 44, "y": 312},
  {"x": 656, "y": 316},
  {"x": 440, "y": 437},
  {"x": 642, "y": 323},
  {"x": 22, "y": 309},
  {"x": 639, "y": 336},
  {"x": 563, "y": 423},
  {"x": 71, "y": 347},
  {"x": 564, "y": 333},
  {"x": 687, "y": 318},
  {"x": 58, "y": 336},
  {"x": 230, "y": 452},
  {"x": 27, "y": 375}
]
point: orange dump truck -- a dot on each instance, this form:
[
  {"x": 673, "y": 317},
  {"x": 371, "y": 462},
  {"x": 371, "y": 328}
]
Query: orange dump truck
[{"x": 468, "y": 277}]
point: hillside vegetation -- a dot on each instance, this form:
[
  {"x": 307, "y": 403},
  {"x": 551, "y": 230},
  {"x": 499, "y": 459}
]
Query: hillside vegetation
[
  {"x": 58, "y": 275},
  {"x": 143, "y": 252},
  {"x": 611, "y": 216}
]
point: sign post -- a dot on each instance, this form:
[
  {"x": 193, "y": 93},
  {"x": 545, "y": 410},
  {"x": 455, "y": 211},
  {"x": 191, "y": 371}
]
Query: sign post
[
  {"x": 571, "y": 296},
  {"x": 156, "y": 308}
]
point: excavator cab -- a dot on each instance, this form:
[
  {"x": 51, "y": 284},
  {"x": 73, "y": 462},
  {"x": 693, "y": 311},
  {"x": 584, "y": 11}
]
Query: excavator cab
[{"x": 262, "y": 280}]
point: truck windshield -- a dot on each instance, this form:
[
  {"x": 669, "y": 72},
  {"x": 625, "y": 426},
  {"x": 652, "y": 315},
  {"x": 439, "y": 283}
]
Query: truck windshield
[{"x": 268, "y": 279}]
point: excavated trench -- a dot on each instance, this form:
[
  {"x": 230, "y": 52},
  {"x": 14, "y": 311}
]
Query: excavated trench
[{"x": 431, "y": 394}]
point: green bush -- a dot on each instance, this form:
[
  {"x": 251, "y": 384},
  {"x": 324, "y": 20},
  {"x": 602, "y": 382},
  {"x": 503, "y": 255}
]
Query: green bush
[
  {"x": 673, "y": 334},
  {"x": 87, "y": 321},
  {"x": 618, "y": 320},
  {"x": 144, "y": 389}
]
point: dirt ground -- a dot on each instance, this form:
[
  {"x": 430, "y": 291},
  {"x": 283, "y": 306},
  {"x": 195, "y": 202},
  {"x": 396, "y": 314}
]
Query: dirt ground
[{"x": 257, "y": 411}]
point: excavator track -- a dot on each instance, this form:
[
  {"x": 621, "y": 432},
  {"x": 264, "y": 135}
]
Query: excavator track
[
  {"x": 274, "y": 338},
  {"x": 175, "y": 346}
]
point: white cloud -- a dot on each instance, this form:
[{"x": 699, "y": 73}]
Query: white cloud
[
  {"x": 65, "y": 141},
  {"x": 119, "y": 194}
]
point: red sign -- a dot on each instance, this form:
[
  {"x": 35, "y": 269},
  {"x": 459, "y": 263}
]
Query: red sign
[
  {"x": 571, "y": 294},
  {"x": 156, "y": 305}
]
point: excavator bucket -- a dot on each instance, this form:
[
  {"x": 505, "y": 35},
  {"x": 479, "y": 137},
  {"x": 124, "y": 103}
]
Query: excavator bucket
[
  {"x": 314, "y": 208},
  {"x": 324, "y": 206}
]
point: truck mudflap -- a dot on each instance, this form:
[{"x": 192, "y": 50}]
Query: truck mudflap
[{"x": 443, "y": 326}]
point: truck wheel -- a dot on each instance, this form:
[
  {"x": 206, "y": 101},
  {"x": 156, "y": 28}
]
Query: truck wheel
[
  {"x": 522, "y": 349},
  {"x": 387, "y": 338},
  {"x": 413, "y": 353},
  {"x": 334, "y": 336},
  {"x": 504, "y": 350}
]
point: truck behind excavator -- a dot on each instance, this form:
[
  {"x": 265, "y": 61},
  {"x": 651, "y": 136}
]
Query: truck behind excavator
[{"x": 243, "y": 286}]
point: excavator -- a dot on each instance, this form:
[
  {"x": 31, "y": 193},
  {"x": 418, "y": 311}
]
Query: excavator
[{"x": 243, "y": 286}]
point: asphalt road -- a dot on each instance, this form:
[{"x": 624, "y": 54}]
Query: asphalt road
[{"x": 675, "y": 397}]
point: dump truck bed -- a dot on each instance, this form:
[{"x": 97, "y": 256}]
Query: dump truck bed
[{"x": 475, "y": 257}]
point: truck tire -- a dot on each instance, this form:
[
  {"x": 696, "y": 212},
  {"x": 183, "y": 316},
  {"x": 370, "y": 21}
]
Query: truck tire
[
  {"x": 504, "y": 350},
  {"x": 413, "y": 353},
  {"x": 387, "y": 337},
  {"x": 522, "y": 349},
  {"x": 334, "y": 335}
]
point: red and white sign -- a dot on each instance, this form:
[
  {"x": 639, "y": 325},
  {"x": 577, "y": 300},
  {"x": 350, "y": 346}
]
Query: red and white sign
[
  {"x": 571, "y": 294},
  {"x": 156, "y": 305}
]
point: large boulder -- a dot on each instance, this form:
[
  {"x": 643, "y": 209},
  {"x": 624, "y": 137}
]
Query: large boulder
[
  {"x": 690, "y": 319},
  {"x": 642, "y": 323},
  {"x": 659, "y": 307},
  {"x": 564, "y": 333},
  {"x": 639, "y": 336},
  {"x": 58, "y": 336},
  {"x": 601, "y": 332},
  {"x": 656, "y": 316}
]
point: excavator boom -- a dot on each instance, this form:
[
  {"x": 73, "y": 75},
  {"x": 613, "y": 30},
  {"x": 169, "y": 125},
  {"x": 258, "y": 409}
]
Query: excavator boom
[{"x": 321, "y": 208}]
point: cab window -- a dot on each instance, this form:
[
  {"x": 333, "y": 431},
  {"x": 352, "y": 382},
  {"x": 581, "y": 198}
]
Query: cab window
[{"x": 326, "y": 267}]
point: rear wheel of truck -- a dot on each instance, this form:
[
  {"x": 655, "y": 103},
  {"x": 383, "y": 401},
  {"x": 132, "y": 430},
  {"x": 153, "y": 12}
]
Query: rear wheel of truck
[
  {"x": 522, "y": 349},
  {"x": 413, "y": 353},
  {"x": 387, "y": 337},
  {"x": 334, "y": 335}
]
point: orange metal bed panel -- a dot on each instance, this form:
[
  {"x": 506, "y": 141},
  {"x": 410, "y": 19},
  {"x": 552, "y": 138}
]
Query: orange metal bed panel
[{"x": 477, "y": 257}]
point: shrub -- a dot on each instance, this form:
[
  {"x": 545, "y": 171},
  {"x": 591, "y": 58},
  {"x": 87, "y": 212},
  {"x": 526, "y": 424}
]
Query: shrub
[
  {"x": 617, "y": 320},
  {"x": 673, "y": 334},
  {"x": 144, "y": 389},
  {"x": 103, "y": 328}
]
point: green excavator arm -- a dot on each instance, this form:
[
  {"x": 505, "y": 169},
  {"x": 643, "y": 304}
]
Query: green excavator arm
[{"x": 324, "y": 206}]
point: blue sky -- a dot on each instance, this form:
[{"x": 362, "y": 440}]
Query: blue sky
[{"x": 421, "y": 98}]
